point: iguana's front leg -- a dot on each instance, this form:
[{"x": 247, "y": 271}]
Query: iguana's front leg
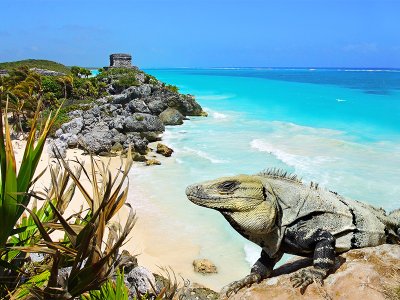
[
  {"x": 324, "y": 258},
  {"x": 261, "y": 269}
]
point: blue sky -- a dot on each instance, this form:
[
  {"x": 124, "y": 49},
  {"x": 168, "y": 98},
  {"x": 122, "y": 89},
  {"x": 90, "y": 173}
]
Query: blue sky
[{"x": 204, "y": 33}]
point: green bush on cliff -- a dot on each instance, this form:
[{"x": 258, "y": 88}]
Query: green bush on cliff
[
  {"x": 120, "y": 78},
  {"x": 172, "y": 88}
]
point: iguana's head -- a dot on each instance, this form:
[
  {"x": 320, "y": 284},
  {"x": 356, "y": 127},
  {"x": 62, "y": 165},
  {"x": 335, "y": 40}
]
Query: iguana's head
[{"x": 242, "y": 199}]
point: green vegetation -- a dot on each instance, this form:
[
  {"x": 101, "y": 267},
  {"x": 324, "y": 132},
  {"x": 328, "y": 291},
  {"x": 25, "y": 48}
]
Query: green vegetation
[
  {"x": 36, "y": 63},
  {"x": 120, "y": 78},
  {"x": 23, "y": 87},
  {"x": 172, "y": 88},
  {"x": 84, "y": 232},
  {"x": 91, "y": 242},
  {"x": 110, "y": 290},
  {"x": 80, "y": 72}
]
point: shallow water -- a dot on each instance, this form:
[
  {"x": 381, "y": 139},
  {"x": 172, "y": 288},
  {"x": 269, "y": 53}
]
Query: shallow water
[{"x": 336, "y": 127}]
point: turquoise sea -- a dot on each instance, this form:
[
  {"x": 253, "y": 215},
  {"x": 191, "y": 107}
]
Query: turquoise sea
[{"x": 337, "y": 127}]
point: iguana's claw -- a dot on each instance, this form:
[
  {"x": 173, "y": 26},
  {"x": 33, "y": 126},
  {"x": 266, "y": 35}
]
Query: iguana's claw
[
  {"x": 305, "y": 277},
  {"x": 235, "y": 286}
]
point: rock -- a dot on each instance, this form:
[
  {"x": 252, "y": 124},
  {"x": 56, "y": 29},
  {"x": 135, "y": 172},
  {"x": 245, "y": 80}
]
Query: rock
[
  {"x": 139, "y": 277},
  {"x": 152, "y": 162},
  {"x": 75, "y": 114},
  {"x": 58, "y": 132},
  {"x": 117, "y": 148},
  {"x": 204, "y": 266},
  {"x": 156, "y": 105},
  {"x": 137, "y": 105},
  {"x": 151, "y": 136},
  {"x": 196, "y": 292},
  {"x": 96, "y": 141},
  {"x": 171, "y": 116},
  {"x": 74, "y": 126},
  {"x": 366, "y": 273},
  {"x": 187, "y": 105},
  {"x": 127, "y": 261},
  {"x": 136, "y": 141},
  {"x": 121, "y": 99},
  {"x": 45, "y": 72},
  {"x": 57, "y": 147},
  {"x": 118, "y": 123},
  {"x": 118, "y": 137},
  {"x": 138, "y": 157},
  {"x": 141, "y": 91},
  {"x": 37, "y": 257},
  {"x": 164, "y": 150},
  {"x": 140, "y": 122},
  {"x": 70, "y": 139}
]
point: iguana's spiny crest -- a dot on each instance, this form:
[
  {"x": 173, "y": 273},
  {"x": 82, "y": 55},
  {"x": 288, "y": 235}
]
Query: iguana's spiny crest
[{"x": 242, "y": 199}]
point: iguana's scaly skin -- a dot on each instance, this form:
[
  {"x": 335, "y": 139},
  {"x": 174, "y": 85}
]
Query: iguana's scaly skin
[{"x": 282, "y": 215}]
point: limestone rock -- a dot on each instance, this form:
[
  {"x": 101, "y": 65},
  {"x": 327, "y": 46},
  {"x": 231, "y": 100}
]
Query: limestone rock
[
  {"x": 152, "y": 162},
  {"x": 164, "y": 150},
  {"x": 139, "y": 277},
  {"x": 57, "y": 147},
  {"x": 141, "y": 91},
  {"x": 45, "y": 72},
  {"x": 137, "y": 105},
  {"x": 74, "y": 126},
  {"x": 171, "y": 116},
  {"x": 116, "y": 148},
  {"x": 204, "y": 266},
  {"x": 140, "y": 122},
  {"x": 196, "y": 291},
  {"x": 70, "y": 139},
  {"x": 366, "y": 273},
  {"x": 96, "y": 141},
  {"x": 156, "y": 105}
]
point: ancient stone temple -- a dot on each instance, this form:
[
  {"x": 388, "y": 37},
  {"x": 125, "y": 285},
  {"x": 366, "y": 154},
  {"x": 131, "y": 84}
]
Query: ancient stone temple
[{"x": 120, "y": 60}]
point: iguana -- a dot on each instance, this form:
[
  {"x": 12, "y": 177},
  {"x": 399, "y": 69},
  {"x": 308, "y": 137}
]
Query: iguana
[{"x": 282, "y": 215}]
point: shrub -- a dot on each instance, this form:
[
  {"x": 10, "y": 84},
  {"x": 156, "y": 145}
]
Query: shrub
[{"x": 172, "y": 88}]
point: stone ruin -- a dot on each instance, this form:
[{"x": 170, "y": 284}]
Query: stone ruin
[{"x": 120, "y": 60}]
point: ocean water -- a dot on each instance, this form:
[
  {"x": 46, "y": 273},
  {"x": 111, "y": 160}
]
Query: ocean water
[{"x": 337, "y": 127}]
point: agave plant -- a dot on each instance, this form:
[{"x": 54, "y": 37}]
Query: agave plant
[
  {"x": 110, "y": 290},
  {"x": 15, "y": 185},
  {"x": 15, "y": 191},
  {"x": 91, "y": 257}
]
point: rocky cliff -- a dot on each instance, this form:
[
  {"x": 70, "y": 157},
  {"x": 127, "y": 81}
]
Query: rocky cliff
[
  {"x": 133, "y": 116},
  {"x": 368, "y": 274}
]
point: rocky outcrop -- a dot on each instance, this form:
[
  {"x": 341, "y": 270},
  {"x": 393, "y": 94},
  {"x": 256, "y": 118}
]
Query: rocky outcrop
[
  {"x": 367, "y": 273},
  {"x": 204, "y": 266},
  {"x": 164, "y": 150},
  {"x": 135, "y": 116},
  {"x": 171, "y": 116},
  {"x": 196, "y": 292},
  {"x": 153, "y": 162},
  {"x": 140, "y": 279},
  {"x": 44, "y": 72}
]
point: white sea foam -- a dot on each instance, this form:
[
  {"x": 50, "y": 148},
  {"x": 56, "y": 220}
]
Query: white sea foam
[
  {"x": 205, "y": 155},
  {"x": 341, "y": 100},
  {"x": 217, "y": 115},
  {"x": 214, "y": 97},
  {"x": 306, "y": 163}
]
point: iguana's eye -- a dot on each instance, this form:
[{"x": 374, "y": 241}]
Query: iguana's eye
[{"x": 227, "y": 186}]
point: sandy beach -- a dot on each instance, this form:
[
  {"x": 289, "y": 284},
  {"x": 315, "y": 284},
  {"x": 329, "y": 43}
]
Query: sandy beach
[{"x": 155, "y": 246}]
